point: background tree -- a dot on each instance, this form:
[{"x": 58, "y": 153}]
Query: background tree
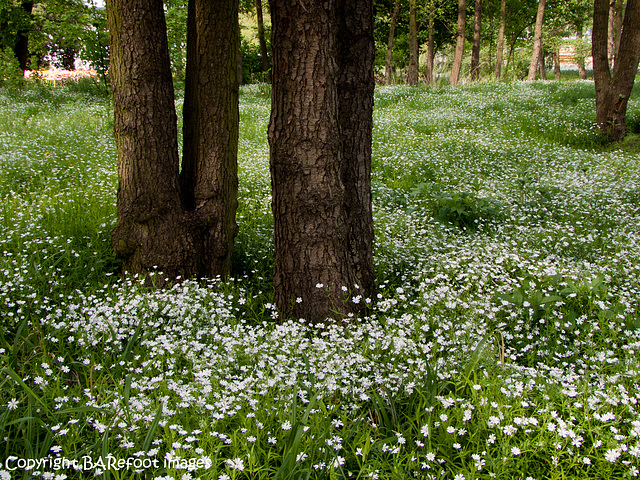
[
  {"x": 412, "y": 72},
  {"x": 16, "y": 24},
  {"x": 613, "y": 87},
  {"x": 392, "y": 28},
  {"x": 176, "y": 18},
  {"x": 264, "y": 55},
  {"x": 537, "y": 42},
  {"x": 500, "y": 46},
  {"x": 95, "y": 42},
  {"x": 475, "y": 50},
  {"x": 429, "y": 66},
  {"x": 457, "y": 59},
  {"x": 320, "y": 141},
  {"x": 166, "y": 220}
]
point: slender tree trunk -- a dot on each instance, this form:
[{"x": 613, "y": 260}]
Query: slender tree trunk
[
  {"x": 264, "y": 56},
  {"x": 618, "y": 15},
  {"x": 429, "y": 69},
  {"x": 582, "y": 73},
  {"x": 557, "y": 74},
  {"x": 542, "y": 66},
  {"x": 412, "y": 73},
  {"x": 475, "y": 50},
  {"x": 209, "y": 176},
  {"x": 613, "y": 88},
  {"x": 149, "y": 204},
  {"x": 537, "y": 42},
  {"x": 320, "y": 140},
  {"x": 611, "y": 44},
  {"x": 500, "y": 48},
  {"x": 392, "y": 28},
  {"x": 457, "y": 59}
]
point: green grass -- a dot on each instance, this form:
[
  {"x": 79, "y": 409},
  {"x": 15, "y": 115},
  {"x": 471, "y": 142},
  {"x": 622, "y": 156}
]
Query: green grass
[{"x": 503, "y": 342}]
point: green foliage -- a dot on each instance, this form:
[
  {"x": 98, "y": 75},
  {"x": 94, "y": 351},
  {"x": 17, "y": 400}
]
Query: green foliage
[
  {"x": 465, "y": 210},
  {"x": 11, "y": 75}
]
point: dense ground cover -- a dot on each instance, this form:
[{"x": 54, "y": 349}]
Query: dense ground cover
[{"x": 503, "y": 343}]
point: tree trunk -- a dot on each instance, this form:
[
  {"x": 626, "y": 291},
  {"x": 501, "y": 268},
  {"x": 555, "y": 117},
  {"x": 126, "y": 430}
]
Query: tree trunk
[
  {"x": 209, "y": 177},
  {"x": 500, "y": 49},
  {"x": 180, "y": 224},
  {"x": 149, "y": 203},
  {"x": 582, "y": 73},
  {"x": 21, "y": 48},
  {"x": 537, "y": 43},
  {"x": 429, "y": 68},
  {"x": 542, "y": 66},
  {"x": 613, "y": 88},
  {"x": 264, "y": 56},
  {"x": 611, "y": 39},
  {"x": 457, "y": 59},
  {"x": 412, "y": 73},
  {"x": 392, "y": 28},
  {"x": 618, "y": 15},
  {"x": 356, "y": 49},
  {"x": 475, "y": 50},
  {"x": 557, "y": 74},
  {"x": 320, "y": 141}
]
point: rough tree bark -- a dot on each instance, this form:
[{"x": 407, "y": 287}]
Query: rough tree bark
[
  {"x": 500, "y": 49},
  {"x": 392, "y": 28},
  {"x": 149, "y": 205},
  {"x": 320, "y": 141},
  {"x": 457, "y": 59},
  {"x": 209, "y": 177},
  {"x": 537, "y": 43},
  {"x": 614, "y": 87},
  {"x": 412, "y": 72},
  {"x": 165, "y": 221},
  {"x": 475, "y": 50}
]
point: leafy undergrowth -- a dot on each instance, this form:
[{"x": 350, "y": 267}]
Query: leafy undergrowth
[{"x": 503, "y": 342}]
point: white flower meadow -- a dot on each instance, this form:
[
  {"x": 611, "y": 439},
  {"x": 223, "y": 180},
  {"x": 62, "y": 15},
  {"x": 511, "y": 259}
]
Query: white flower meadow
[{"x": 518, "y": 333}]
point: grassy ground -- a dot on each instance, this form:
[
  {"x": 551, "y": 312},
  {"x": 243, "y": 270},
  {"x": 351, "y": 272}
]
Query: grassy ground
[{"x": 503, "y": 343}]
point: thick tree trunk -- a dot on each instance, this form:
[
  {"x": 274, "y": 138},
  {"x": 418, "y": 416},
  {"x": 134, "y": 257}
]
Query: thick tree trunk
[
  {"x": 356, "y": 50},
  {"x": 429, "y": 68},
  {"x": 475, "y": 50},
  {"x": 150, "y": 230},
  {"x": 457, "y": 59},
  {"x": 209, "y": 176},
  {"x": 320, "y": 140},
  {"x": 183, "y": 225},
  {"x": 500, "y": 49},
  {"x": 613, "y": 88},
  {"x": 264, "y": 56},
  {"x": 412, "y": 73},
  {"x": 537, "y": 43},
  {"x": 392, "y": 28}
]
